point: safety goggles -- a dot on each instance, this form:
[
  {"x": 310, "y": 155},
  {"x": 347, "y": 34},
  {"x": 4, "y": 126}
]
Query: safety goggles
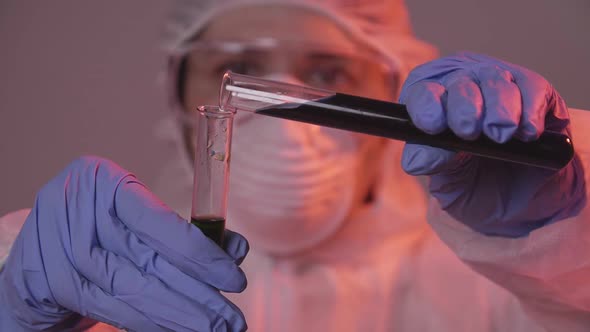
[{"x": 349, "y": 70}]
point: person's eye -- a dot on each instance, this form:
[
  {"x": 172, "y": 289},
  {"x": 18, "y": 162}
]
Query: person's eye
[
  {"x": 243, "y": 67},
  {"x": 330, "y": 76}
]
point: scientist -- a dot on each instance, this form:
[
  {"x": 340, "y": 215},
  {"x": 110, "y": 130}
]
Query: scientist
[{"x": 337, "y": 221}]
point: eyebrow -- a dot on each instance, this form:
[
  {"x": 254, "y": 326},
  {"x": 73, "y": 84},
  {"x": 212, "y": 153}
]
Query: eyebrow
[
  {"x": 323, "y": 56},
  {"x": 245, "y": 54}
]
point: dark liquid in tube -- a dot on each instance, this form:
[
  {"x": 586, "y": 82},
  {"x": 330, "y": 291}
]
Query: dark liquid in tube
[
  {"x": 386, "y": 119},
  {"x": 212, "y": 227}
]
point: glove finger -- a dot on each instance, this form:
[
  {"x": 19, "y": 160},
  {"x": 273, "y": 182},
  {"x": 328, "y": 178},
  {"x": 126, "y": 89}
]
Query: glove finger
[
  {"x": 534, "y": 90},
  {"x": 502, "y": 101},
  {"x": 207, "y": 296},
  {"x": 116, "y": 238},
  {"x": 464, "y": 105},
  {"x": 201, "y": 309},
  {"x": 425, "y": 106},
  {"x": 182, "y": 244},
  {"x": 434, "y": 70},
  {"x": 236, "y": 246},
  {"x": 425, "y": 160}
]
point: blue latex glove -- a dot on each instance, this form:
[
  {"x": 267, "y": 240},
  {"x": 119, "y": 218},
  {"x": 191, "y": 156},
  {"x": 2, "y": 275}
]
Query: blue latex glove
[
  {"x": 477, "y": 95},
  {"x": 98, "y": 244}
]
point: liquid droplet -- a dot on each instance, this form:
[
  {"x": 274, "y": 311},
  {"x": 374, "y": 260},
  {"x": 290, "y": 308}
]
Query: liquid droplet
[{"x": 219, "y": 156}]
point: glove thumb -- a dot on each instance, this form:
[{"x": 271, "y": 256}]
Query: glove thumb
[{"x": 426, "y": 160}]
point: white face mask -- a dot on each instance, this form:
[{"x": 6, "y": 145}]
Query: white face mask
[{"x": 292, "y": 185}]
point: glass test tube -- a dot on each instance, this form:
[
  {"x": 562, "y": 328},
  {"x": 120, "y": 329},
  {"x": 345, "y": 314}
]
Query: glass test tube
[
  {"x": 212, "y": 157},
  {"x": 552, "y": 150}
]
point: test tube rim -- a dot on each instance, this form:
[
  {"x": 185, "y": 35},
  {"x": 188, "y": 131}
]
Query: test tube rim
[{"x": 215, "y": 111}]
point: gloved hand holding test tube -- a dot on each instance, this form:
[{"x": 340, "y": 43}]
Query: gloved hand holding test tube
[
  {"x": 552, "y": 150},
  {"x": 374, "y": 117}
]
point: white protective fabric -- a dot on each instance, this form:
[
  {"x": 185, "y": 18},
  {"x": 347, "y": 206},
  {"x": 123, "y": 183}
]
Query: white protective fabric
[
  {"x": 396, "y": 275},
  {"x": 9, "y": 229}
]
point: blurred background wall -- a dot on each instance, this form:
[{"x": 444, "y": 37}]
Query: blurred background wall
[{"x": 80, "y": 77}]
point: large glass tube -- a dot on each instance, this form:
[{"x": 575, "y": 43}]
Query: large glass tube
[
  {"x": 211, "y": 170},
  {"x": 552, "y": 150}
]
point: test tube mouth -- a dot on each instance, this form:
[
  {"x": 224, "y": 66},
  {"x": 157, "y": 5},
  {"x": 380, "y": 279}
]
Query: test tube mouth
[
  {"x": 249, "y": 93},
  {"x": 215, "y": 111},
  {"x": 224, "y": 97}
]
